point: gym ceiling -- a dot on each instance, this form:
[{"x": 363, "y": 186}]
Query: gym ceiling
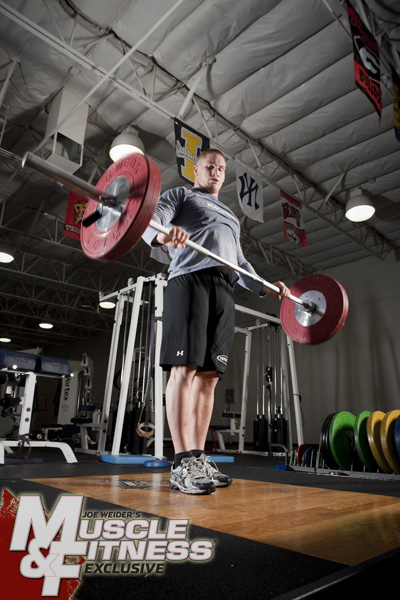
[{"x": 270, "y": 82}]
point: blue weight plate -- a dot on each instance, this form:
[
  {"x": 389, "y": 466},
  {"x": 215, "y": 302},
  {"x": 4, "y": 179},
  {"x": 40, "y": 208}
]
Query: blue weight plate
[
  {"x": 397, "y": 435},
  {"x": 307, "y": 457}
]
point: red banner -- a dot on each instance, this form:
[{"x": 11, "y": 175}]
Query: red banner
[
  {"x": 366, "y": 59},
  {"x": 74, "y": 214},
  {"x": 293, "y": 226}
]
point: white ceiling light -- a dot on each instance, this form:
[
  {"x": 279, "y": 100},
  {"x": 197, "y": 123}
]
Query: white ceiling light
[
  {"x": 6, "y": 253},
  {"x": 46, "y": 323},
  {"x": 126, "y": 143},
  {"x": 5, "y": 257},
  {"x": 5, "y": 340},
  {"x": 107, "y": 304},
  {"x": 359, "y": 207}
]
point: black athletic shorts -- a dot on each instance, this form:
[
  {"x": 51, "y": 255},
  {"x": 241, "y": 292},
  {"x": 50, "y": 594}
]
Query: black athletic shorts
[{"x": 198, "y": 321}]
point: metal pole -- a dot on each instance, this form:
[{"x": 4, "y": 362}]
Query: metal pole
[
  {"x": 295, "y": 389},
  {"x": 70, "y": 181}
]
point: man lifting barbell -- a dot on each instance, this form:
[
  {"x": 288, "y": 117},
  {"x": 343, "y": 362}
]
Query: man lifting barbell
[
  {"x": 199, "y": 315},
  {"x": 119, "y": 212}
]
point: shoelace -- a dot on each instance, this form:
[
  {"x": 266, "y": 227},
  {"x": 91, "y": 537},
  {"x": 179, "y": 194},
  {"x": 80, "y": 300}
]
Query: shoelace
[
  {"x": 207, "y": 466},
  {"x": 196, "y": 467}
]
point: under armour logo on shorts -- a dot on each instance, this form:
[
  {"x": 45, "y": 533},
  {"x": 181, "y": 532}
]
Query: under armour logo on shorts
[{"x": 179, "y": 353}]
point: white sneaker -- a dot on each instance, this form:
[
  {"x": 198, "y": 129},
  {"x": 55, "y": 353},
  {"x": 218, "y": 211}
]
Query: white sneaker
[
  {"x": 189, "y": 478},
  {"x": 211, "y": 471}
]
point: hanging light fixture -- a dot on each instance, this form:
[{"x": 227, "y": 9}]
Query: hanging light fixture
[
  {"x": 46, "y": 323},
  {"x": 126, "y": 143},
  {"x": 6, "y": 252},
  {"x": 359, "y": 207},
  {"x": 106, "y": 300},
  {"x": 107, "y": 304},
  {"x": 5, "y": 340}
]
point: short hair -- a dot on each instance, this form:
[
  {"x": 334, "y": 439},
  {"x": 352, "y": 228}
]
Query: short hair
[{"x": 210, "y": 151}]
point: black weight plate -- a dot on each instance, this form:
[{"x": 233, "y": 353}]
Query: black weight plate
[{"x": 324, "y": 442}]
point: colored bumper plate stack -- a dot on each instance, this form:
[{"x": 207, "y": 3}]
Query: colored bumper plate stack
[
  {"x": 341, "y": 439},
  {"x": 374, "y": 438},
  {"x": 361, "y": 442}
]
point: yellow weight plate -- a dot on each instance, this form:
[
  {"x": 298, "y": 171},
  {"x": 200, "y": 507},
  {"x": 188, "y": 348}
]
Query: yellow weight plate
[
  {"x": 387, "y": 440},
  {"x": 374, "y": 439}
]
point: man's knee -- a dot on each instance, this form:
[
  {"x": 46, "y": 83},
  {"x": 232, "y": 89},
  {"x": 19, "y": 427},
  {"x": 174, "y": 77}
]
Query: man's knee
[
  {"x": 207, "y": 379},
  {"x": 183, "y": 373}
]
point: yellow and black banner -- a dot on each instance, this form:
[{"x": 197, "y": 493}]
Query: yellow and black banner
[
  {"x": 74, "y": 214},
  {"x": 188, "y": 145},
  {"x": 367, "y": 69},
  {"x": 396, "y": 103}
]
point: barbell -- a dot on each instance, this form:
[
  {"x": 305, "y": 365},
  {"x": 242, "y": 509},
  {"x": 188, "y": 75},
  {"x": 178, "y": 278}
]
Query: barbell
[{"x": 120, "y": 208}]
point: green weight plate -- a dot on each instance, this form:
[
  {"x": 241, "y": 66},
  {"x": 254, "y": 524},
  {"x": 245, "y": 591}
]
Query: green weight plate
[
  {"x": 324, "y": 443},
  {"x": 374, "y": 439},
  {"x": 361, "y": 441},
  {"x": 341, "y": 438},
  {"x": 387, "y": 440}
]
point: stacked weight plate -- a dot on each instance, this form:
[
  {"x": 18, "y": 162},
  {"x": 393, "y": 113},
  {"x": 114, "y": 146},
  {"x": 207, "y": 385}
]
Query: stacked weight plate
[
  {"x": 370, "y": 441},
  {"x": 380, "y": 430}
]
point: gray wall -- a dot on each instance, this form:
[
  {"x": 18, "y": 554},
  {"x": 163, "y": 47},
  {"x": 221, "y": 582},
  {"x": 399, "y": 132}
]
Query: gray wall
[{"x": 359, "y": 368}]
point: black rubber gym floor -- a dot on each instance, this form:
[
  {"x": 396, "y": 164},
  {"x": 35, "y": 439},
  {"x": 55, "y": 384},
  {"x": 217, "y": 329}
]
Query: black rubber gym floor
[{"x": 241, "y": 568}]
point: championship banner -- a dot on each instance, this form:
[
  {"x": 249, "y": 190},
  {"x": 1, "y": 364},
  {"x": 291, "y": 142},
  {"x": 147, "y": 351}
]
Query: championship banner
[
  {"x": 366, "y": 59},
  {"x": 250, "y": 191},
  {"x": 293, "y": 226},
  {"x": 74, "y": 214},
  {"x": 396, "y": 103},
  {"x": 188, "y": 145}
]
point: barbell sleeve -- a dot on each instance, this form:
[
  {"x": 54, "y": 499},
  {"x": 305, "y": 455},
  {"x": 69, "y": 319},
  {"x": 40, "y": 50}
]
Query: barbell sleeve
[{"x": 70, "y": 181}]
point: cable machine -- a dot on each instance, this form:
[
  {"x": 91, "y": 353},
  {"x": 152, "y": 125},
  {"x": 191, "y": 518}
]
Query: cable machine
[
  {"x": 135, "y": 419},
  {"x": 276, "y": 385}
]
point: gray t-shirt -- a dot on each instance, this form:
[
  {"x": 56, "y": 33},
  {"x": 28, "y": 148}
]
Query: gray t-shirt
[{"x": 210, "y": 224}]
